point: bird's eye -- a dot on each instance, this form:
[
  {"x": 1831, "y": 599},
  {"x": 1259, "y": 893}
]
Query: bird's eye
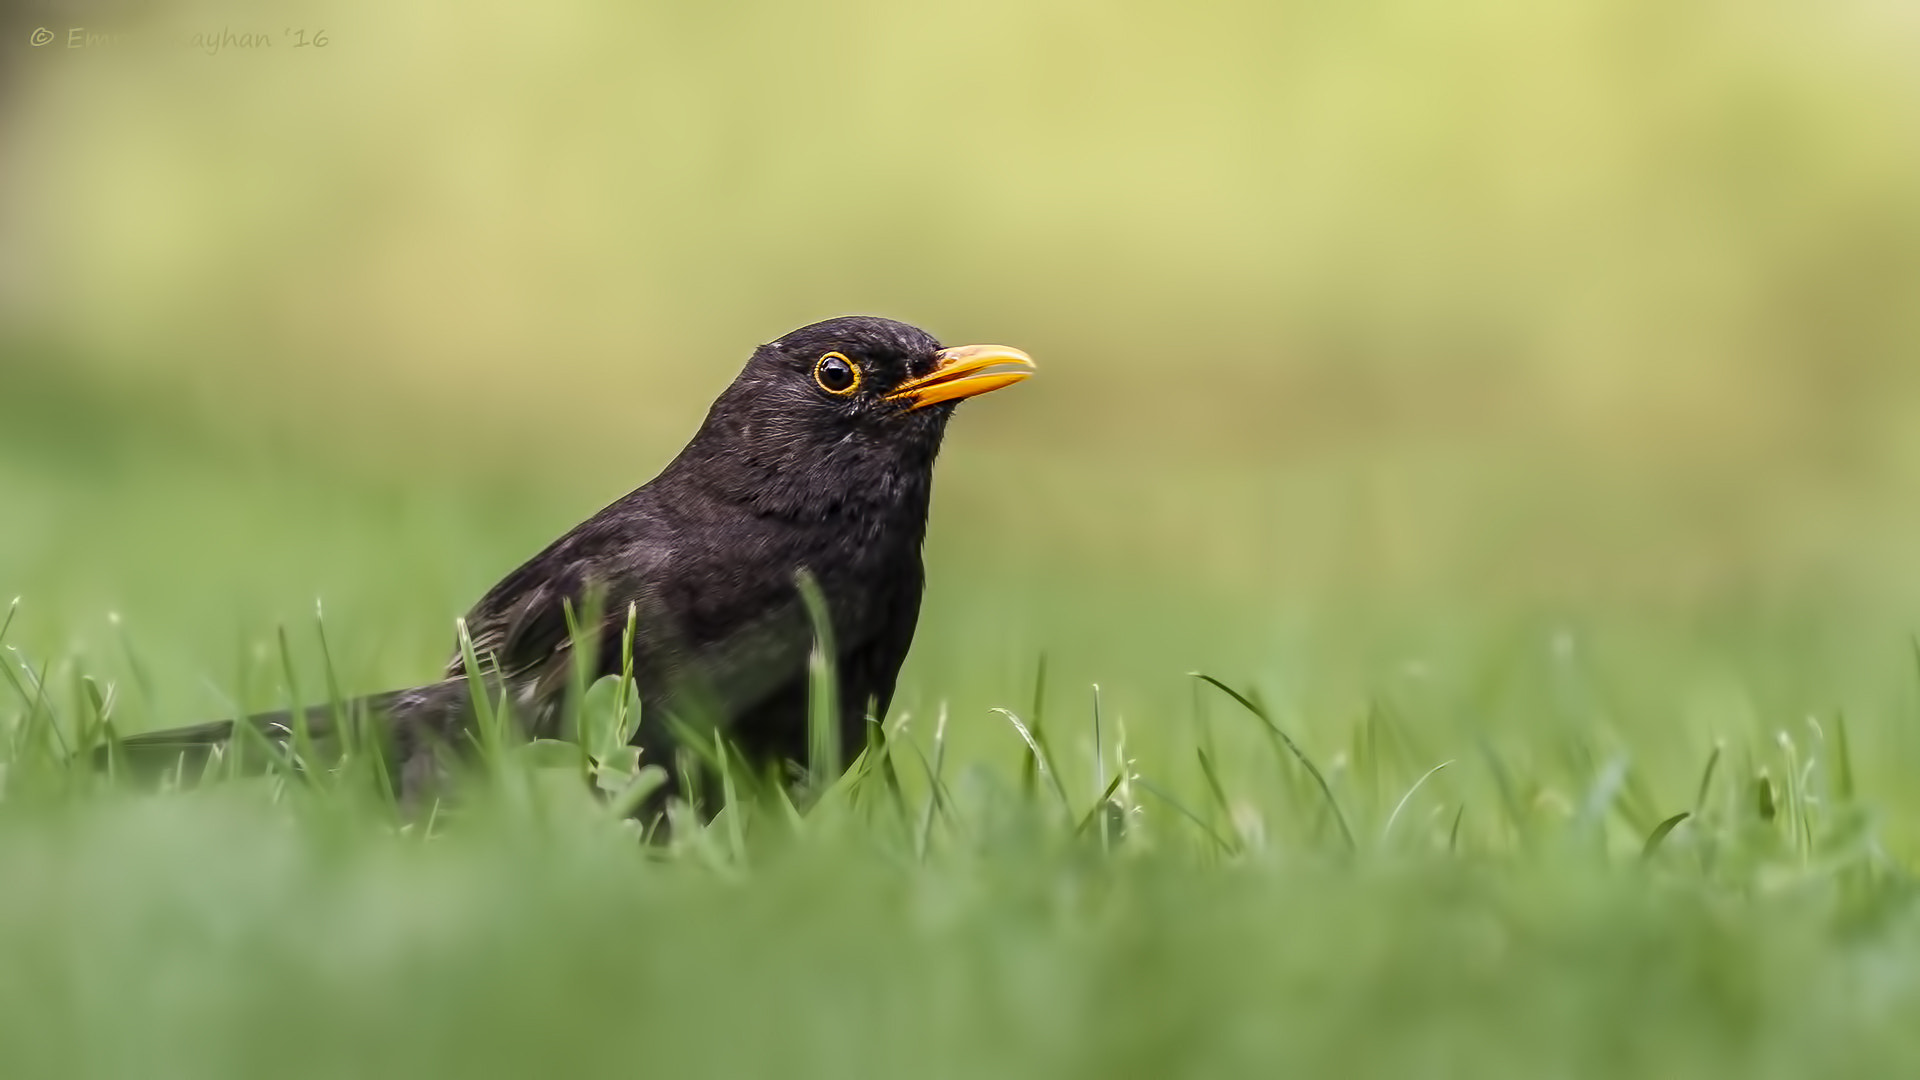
[{"x": 836, "y": 374}]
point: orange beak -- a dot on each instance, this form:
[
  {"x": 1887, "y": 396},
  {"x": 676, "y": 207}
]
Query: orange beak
[{"x": 964, "y": 372}]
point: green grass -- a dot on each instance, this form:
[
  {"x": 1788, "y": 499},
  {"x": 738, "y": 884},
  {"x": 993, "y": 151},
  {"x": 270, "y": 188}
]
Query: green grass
[{"x": 1513, "y": 914}]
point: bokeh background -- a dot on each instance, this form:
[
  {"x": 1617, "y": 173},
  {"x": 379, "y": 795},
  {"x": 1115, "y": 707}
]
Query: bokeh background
[{"x": 1377, "y": 339}]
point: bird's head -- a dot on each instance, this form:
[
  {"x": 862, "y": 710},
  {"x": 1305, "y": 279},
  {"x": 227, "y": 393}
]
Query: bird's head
[
  {"x": 854, "y": 404},
  {"x": 861, "y": 371}
]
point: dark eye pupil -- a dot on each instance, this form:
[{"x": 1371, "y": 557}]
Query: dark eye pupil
[{"x": 836, "y": 374}]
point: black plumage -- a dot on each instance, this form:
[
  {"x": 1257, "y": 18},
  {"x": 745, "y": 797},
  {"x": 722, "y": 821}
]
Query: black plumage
[{"x": 817, "y": 460}]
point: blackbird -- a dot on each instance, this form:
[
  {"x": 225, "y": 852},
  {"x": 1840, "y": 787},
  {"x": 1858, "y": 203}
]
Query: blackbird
[{"x": 816, "y": 463}]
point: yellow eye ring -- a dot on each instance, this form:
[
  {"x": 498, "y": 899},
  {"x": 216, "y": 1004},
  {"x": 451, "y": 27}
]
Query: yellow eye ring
[{"x": 836, "y": 374}]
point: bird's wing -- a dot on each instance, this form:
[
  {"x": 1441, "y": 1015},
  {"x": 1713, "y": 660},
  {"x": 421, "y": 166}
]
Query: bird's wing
[
  {"x": 711, "y": 638},
  {"x": 522, "y": 626},
  {"x": 525, "y": 630}
]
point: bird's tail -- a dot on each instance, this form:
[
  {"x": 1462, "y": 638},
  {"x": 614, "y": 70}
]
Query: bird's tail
[{"x": 320, "y": 729}]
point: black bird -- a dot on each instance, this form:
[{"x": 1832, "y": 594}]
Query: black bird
[{"x": 816, "y": 461}]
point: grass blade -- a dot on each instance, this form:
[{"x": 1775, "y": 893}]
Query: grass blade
[
  {"x": 938, "y": 799},
  {"x": 824, "y": 763},
  {"x": 1313, "y": 770},
  {"x": 1154, "y": 789},
  {"x": 1099, "y": 806},
  {"x": 1213, "y": 784},
  {"x": 487, "y": 716},
  {"x": 1029, "y": 771},
  {"x": 1387, "y": 830},
  {"x": 1042, "y": 761},
  {"x": 1706, "y": 778},
  {"x": 1659, "y": 834}
]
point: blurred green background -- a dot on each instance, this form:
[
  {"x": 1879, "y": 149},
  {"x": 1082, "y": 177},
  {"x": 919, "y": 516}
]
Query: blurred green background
[{"x": 1368, "y": 332}]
